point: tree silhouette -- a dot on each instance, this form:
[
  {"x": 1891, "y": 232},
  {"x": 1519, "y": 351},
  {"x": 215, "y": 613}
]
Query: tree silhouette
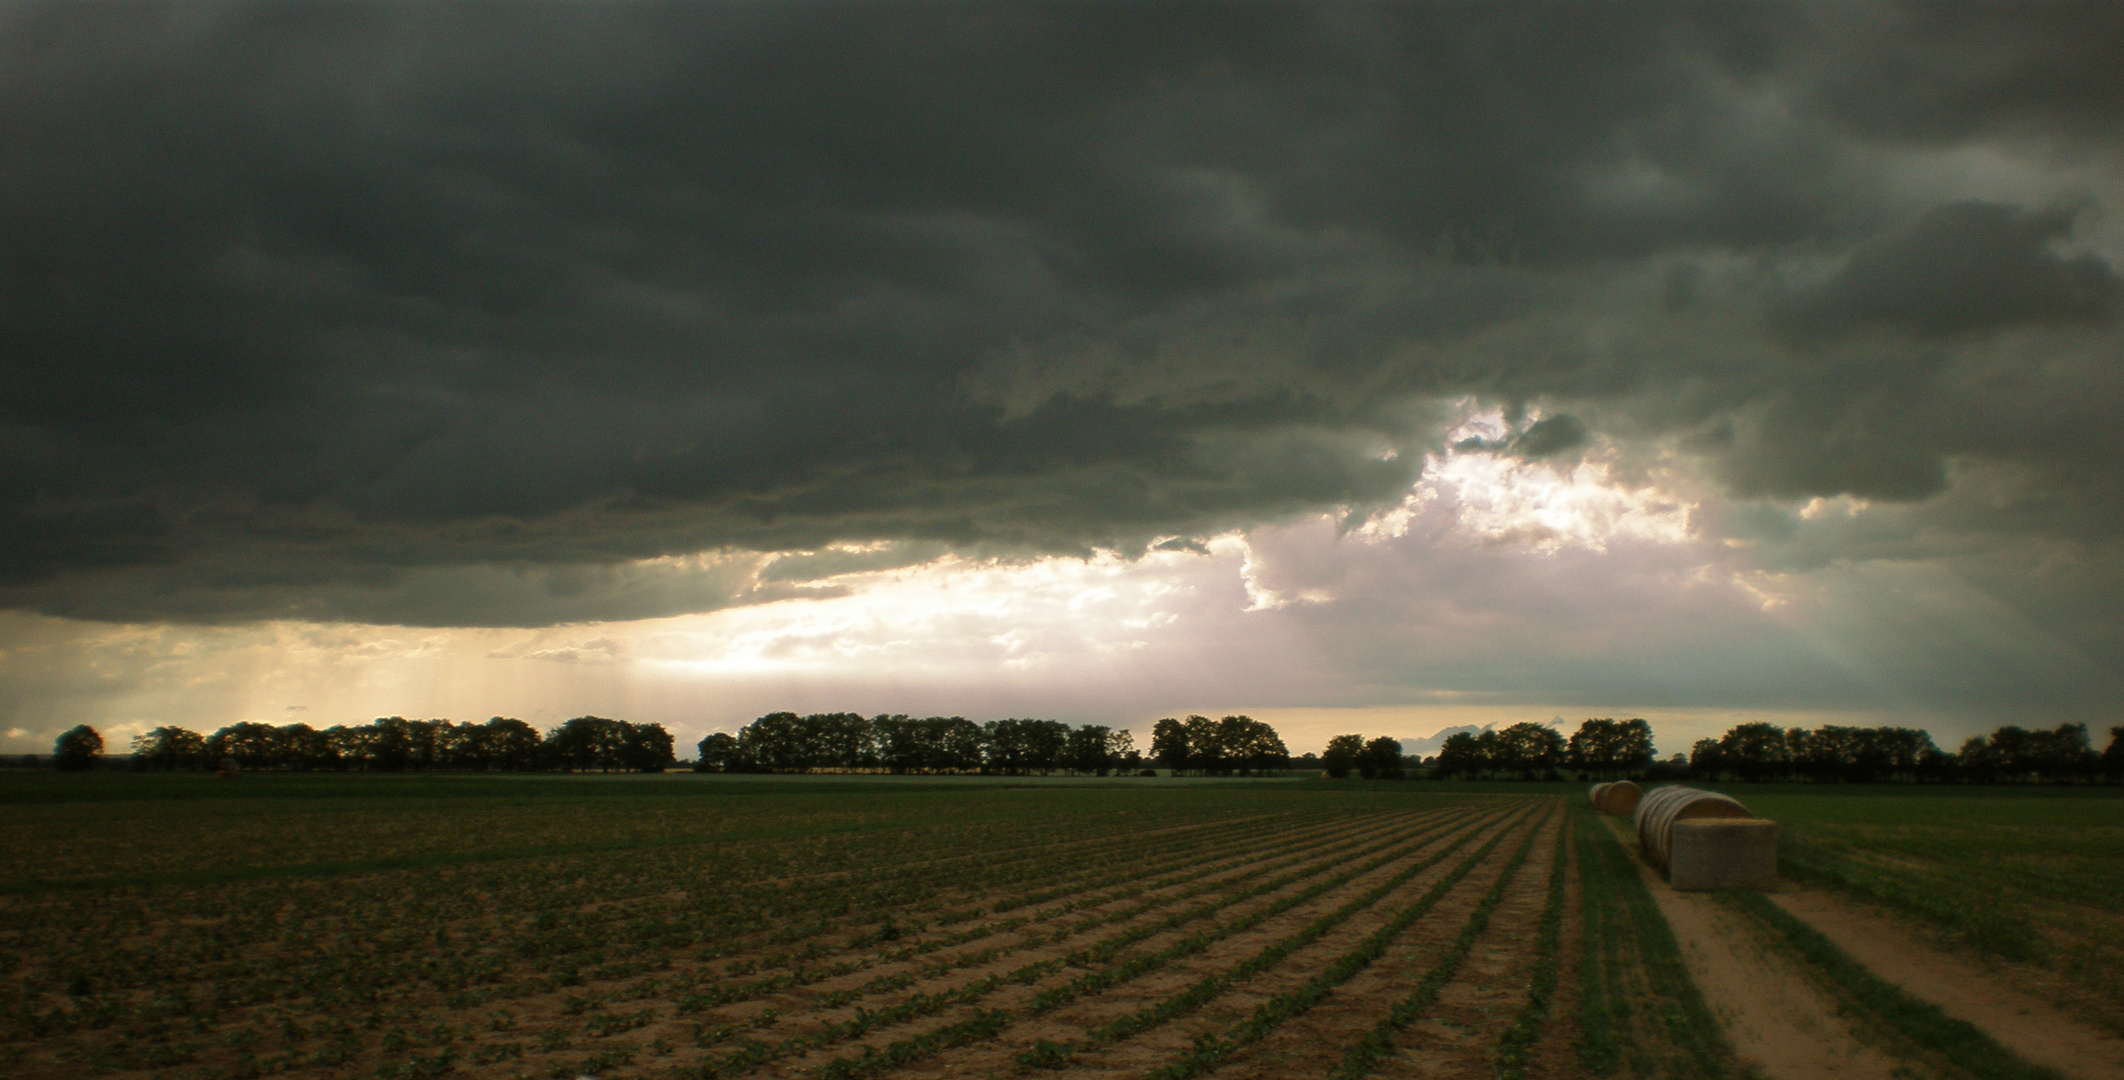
[
  {"x": 1341, "y": 755},
  {"x": 77, "y": 749},
  {"x": 1528, "y": 748},
  {"x": 168, "y": 748},
  {"x": 1462, "y": 754},
  {"x": 1169, "y": 744}
]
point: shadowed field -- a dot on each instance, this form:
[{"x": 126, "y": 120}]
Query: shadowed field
[{"x": 843, "y": 927}]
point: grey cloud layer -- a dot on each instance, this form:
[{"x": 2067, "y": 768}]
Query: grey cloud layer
[{"x": 426, "y": 314}]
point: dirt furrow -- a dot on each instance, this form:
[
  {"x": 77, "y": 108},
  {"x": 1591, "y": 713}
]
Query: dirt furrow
[
  {"x": 1015, "y": 983},
  {"x": 1011, "y": 914},
  {"x": 953, "y": 972},
  {"x": 1459, "y": 1034},
  {"x": 1139, "y": 1050}
]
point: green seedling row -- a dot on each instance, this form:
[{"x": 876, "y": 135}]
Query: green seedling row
[{"x": 1638, "y": 1006}]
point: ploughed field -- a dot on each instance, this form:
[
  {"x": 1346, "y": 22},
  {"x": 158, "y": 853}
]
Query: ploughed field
[{"x": 686, "y": 926}]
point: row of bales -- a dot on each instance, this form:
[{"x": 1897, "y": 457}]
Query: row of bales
[{"x": 1698, "y": 839}]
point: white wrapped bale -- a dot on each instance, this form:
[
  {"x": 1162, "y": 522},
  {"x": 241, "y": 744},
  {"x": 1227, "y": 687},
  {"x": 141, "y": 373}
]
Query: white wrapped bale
[{"x": 1722, "y": 853}]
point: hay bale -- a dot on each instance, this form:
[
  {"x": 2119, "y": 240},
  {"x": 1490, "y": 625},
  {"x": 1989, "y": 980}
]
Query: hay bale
[
  {"x": 1623, "y": 797},
  {"x": 1722, "y": 853},
  {"x": 1598, "y": 791},
  {"x": 1658, "y": 813}
]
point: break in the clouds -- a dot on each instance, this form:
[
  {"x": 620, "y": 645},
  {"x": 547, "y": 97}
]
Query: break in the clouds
[{"x": 527, "y": 315}]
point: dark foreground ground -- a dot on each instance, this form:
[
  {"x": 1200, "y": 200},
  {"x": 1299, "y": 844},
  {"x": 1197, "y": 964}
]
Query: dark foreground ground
[{"x": 681, "y": 925}]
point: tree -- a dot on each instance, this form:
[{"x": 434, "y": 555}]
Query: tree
[
  {"x": 513, "y": 746},
  {"x": 644, "y": 747},
  {"x": 719, "y": 753},
  {"x": 1169, "y": 744},
  {"x": 1704, "y": 760},
  {"x": 2113, "y": 756},
  {"x": 958, "y": 742},
  {"x": 1250, "y": 745},
  {"x": 1530, "y": 748},
  {"x": 1753, "y": 751},
  {"x": 594, "y": 742},
  {"x": 168, "y": 748},
  {"x": 1089, "y": 751},
  {"x": 1462, "y": 754},
  {"x": 1978, "y": 760},
  {"x": 1380, "y": 759},
  {"x": 77, "y": 749},
  {"x": 774, "y": 743},
  {"x": 1206, "y": 752},
  {"x": 1341, "y": 756},
  {"x": 1610, "y": 748},
  {"x": 249, "y": 745},
  {"x": 2063, "y": 753},
  {"x": 1121, "y": 750}
]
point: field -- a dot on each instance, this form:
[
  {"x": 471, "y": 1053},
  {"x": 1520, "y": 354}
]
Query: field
[
  {"x": 2030, "y": 878},
  {"x": 831, "y": 928}
]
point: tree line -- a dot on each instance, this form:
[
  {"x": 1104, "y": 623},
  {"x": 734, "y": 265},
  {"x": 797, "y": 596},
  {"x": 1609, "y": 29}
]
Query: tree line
[
  {"x": 1611, "y": 749},
  {"x": 850, "y": 742},
  {"x": 389, "y": 744},
  {"x": 1606, "y": 748},
  {"x": 2010, "y": 754},
  {"x": 1233, "y": 744},
  {"x": 784, "y": 742}
]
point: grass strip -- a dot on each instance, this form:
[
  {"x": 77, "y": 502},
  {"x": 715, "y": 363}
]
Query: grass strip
[
  {"x": 1379, "y": 1042},
  {"x": 1515, "y": 1047},
  {"x": 1603, "y": 1013},
  {"x": 1921, "y": 1022},
  {"x": 1983, "y": 922},
  {"x": 1639, "y": 1005},
  {"x": 872, "y": 1061},
  {"x": 1211, "y": 1051}
]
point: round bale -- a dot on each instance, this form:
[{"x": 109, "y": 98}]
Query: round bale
[
  {"x": 1622, "y": 797},
  {"x": 1657, "y": 813},
  {"x": 1600, "y": 790}
]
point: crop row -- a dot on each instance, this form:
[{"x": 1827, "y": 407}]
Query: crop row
[
  {"x": 874, "y": 1060},
  {"x": 168, "y": 1016},
  {"x": 1111, "y": 965}
]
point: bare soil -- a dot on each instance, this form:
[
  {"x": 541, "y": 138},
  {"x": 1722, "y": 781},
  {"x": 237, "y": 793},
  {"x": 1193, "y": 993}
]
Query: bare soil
[
  {"x": 1132, "y": 1056},
  {"x": 1775, "y": 1017},
  {"x": 1459, "y": 1036}
]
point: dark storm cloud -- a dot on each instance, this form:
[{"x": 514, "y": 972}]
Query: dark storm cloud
[
  {"x": 374, "y": 310},
  {"x": 1962, "y": 268}
]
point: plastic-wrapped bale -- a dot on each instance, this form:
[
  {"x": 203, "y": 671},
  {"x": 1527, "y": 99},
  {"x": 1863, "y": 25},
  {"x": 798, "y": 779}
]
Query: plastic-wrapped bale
[
  {"x": 1620, "y": 797},
  {"x": 1704, "y": 840}
]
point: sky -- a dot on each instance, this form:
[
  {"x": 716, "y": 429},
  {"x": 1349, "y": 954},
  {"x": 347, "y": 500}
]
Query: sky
[{"x": 1373, "y": 368}]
